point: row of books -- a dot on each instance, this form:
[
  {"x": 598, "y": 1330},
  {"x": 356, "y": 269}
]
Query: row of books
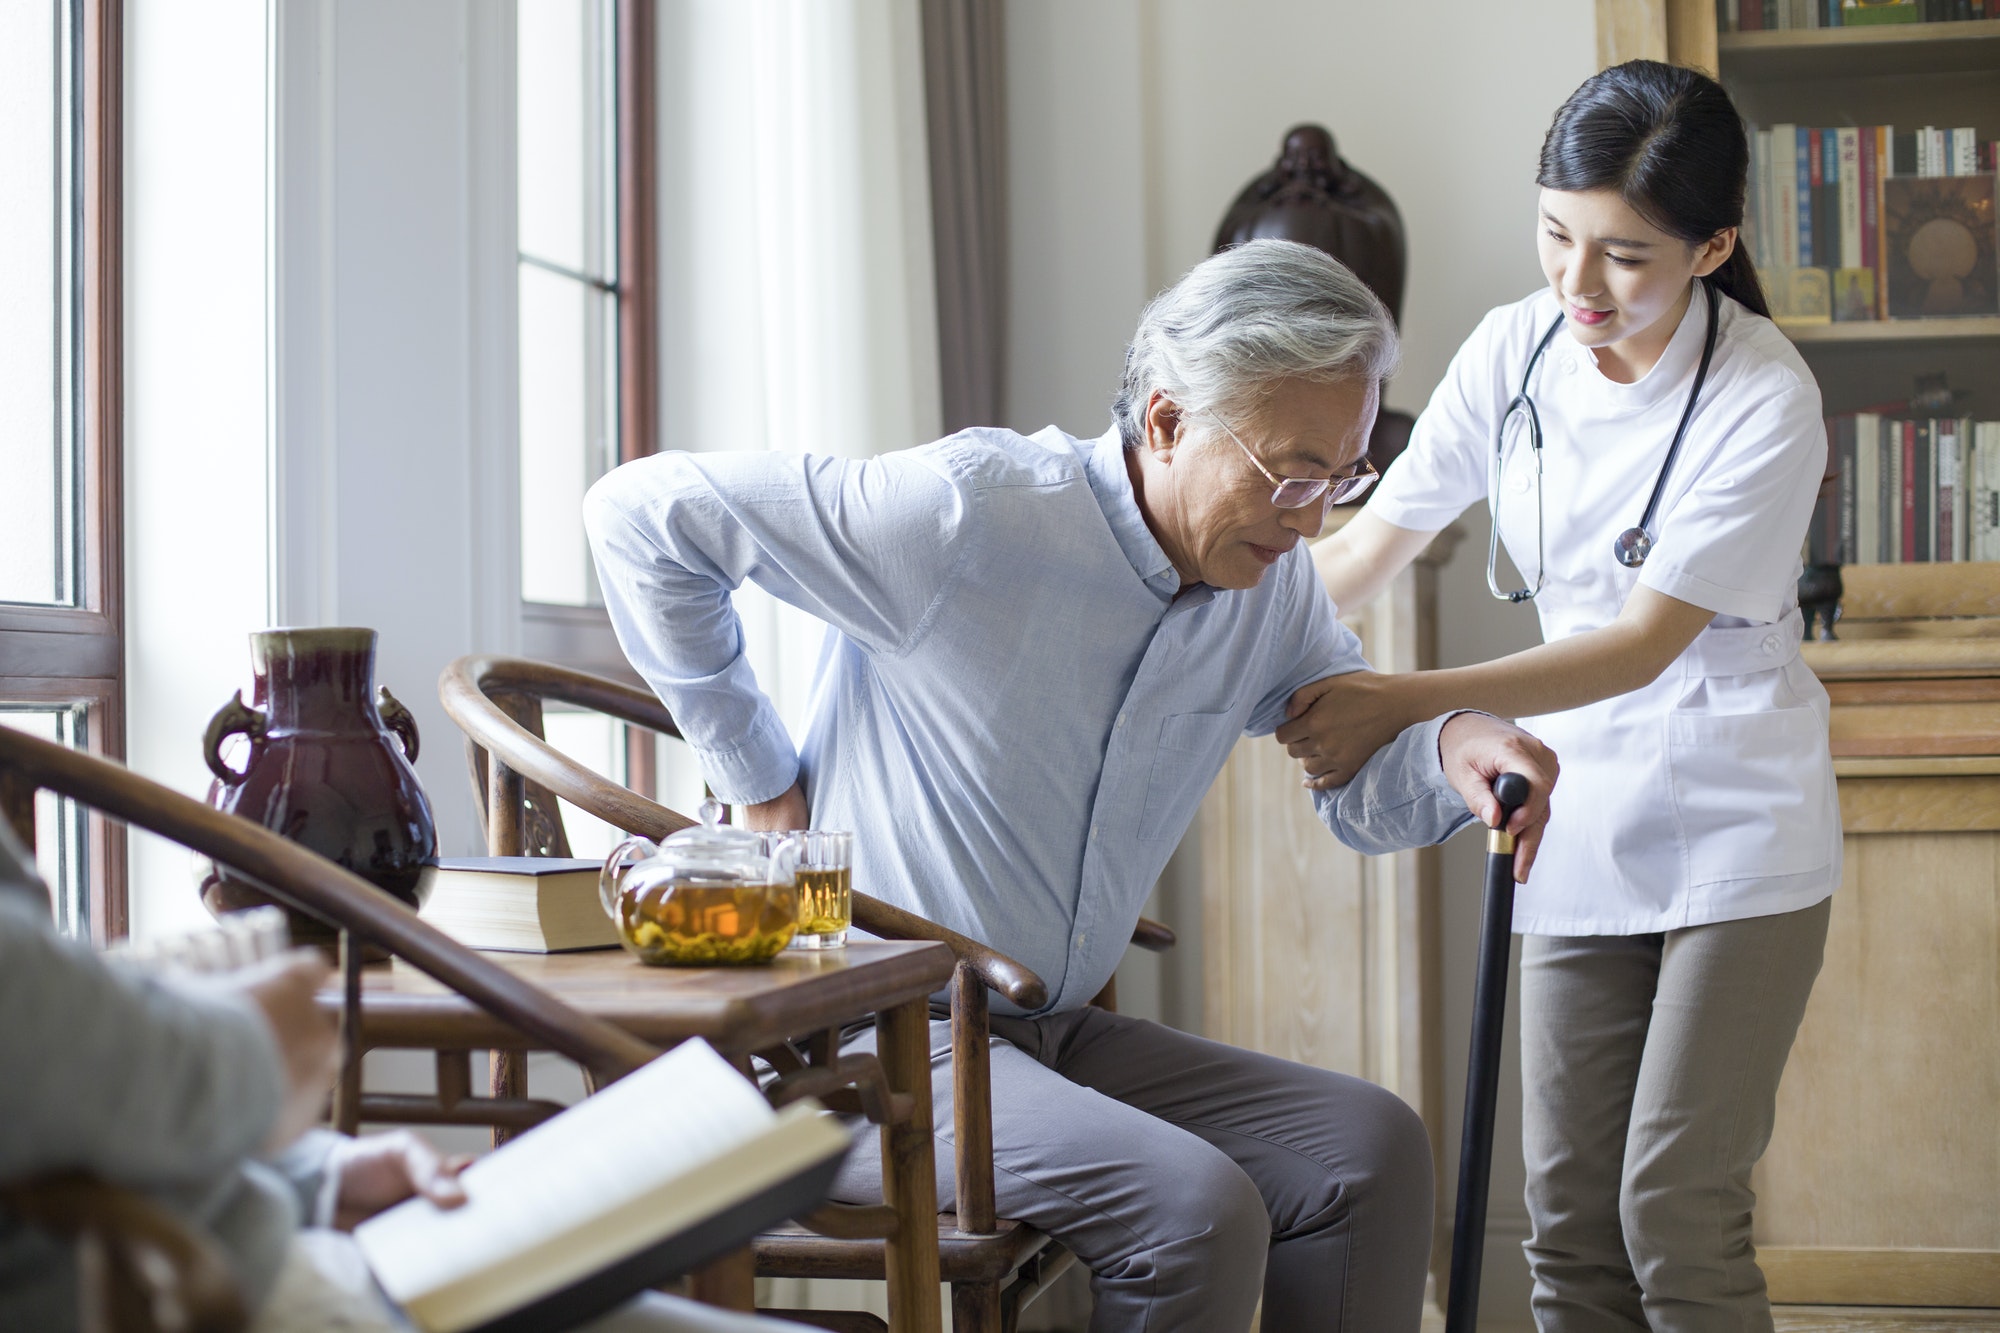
[
  {"x": 1836, "y": 219},
  {"x": 1763, "y": 15},
  {"x": 1911, "y": 491}
]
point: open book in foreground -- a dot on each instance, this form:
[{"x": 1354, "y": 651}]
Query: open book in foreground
[{"x": 675, "y": 1164}]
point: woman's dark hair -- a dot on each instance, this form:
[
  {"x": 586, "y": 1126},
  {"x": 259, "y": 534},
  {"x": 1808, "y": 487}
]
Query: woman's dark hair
[{"x": 1669, "y": 141}]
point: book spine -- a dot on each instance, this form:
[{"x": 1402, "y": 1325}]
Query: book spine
[
  {"x": 1906, "y": 494},
  {"x": 1986, "y": 496},
  {"x": 1866, "y": 189},
  {"x": 1848, "y": 153},
  {"x": 1926, "y": 490},
  {"x": 1844, "y": 453},
  {"x": 1760, "y": 201},
  {"x": 1934, "y": 152},
  {"x": 1867, "y": 489},
  {"x": 1785, "y": 195},
  {"x": 1948, "y": 488},
  {"x": 1903, "y": 159},
  {"x": 1892, "y": 492},
  {"x": 1803, "y": 166},
  {"x": 1884, "y": 136},
  {"x": 1965, "y": 151}
]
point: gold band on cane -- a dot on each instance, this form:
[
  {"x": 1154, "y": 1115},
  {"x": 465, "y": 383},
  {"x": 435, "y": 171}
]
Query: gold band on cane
[{"x": 1499, "y": 842}]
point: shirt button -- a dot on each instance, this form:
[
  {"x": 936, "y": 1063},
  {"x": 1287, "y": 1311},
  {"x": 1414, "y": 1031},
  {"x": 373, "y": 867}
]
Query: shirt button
[
  {"x": 1522, "y": 481},
  {"x": 1770, "y": 644},
  {"x": 1569, "y": 365},
  {"x": 1093, "y": 832},
  {"x": 1081, "y": 938},
  {"x": 1119, "y": 723}
]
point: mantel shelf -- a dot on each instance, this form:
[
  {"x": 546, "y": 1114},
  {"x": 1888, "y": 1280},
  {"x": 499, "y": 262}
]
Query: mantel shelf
[
  {"x": 1896, "y": 330},
  {"x": 1907, "y": 48}
]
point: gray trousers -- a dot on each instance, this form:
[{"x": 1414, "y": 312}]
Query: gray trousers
[
  {"x": 1649, "y": 1068},
  {"x": 1192, "y": 1177}
]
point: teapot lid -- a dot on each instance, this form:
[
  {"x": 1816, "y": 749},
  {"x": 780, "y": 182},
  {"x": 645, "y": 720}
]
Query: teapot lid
[{"x": 712, "y": 835}]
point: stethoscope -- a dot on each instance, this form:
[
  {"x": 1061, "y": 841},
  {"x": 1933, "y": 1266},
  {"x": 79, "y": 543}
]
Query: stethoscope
[{"x": 1631, "y": 546}]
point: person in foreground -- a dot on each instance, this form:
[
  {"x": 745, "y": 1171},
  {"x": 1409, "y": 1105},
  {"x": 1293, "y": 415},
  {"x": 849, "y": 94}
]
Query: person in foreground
[
  {"x": 1679, "y": 910},
  {"x": 202, "y": 1092},
  {"x": 1040, "y": 652}
]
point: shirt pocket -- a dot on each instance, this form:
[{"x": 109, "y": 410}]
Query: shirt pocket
[
  {"x": 1191, "y": 752},
  {"x": 1750, "y": 791}
]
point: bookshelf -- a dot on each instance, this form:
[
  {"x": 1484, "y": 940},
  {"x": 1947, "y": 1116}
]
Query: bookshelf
[{"x": 1880, "y": 1185}]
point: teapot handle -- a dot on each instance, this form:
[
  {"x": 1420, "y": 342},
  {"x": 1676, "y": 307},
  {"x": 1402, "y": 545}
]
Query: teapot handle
[
  {"x": 612, "y": 878},
  {"x": 787, "y": 854}
]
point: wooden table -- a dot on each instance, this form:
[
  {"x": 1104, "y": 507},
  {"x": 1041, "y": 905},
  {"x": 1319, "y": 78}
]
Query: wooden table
[{"x": 739, "y": 1011}]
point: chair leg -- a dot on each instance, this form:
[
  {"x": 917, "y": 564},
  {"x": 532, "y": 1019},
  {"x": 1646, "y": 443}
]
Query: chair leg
[
  {"x": 728, "y": 1283},
  {"x": 507, "y": 1076},
  {"x": 909, "y": 1170},
  {"x": 975, "y": 1307}
]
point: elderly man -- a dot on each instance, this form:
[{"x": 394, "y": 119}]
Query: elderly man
[{"x": 1041, "y": 650}]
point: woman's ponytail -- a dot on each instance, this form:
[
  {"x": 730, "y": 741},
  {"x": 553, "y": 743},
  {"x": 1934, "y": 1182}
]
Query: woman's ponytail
[{"x": 1669, "y": 141}]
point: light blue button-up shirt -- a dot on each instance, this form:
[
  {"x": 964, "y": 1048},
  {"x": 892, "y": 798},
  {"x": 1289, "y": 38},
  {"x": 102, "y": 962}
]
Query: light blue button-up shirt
[{"x": 1014, "y": 712}]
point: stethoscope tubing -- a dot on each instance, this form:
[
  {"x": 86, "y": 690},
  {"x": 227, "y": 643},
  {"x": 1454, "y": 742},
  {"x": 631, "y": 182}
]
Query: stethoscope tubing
[{"x": 1634, "y": 544}]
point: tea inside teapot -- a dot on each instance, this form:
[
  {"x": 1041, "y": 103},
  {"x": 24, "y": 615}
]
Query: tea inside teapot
[{"x": 699, "y": 921}]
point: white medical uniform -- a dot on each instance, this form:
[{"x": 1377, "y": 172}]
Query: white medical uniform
[{"x": 1707, "y": 795}]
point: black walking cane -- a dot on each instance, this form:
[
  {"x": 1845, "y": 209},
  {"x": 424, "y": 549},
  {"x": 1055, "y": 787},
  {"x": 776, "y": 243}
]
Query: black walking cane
[{"x": 1482, "y": 1073}]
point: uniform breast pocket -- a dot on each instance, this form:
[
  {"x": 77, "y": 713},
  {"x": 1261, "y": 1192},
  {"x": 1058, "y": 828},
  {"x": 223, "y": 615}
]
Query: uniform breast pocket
[
  {"x": 1751, "y": 791},
  {"x": 1192, "y": 748}
]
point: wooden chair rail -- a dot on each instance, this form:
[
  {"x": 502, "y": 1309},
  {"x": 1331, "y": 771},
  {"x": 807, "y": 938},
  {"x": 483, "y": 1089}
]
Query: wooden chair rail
[
  {"x": 134, "y": 1255},
  {"x": 301, "y": 879}
]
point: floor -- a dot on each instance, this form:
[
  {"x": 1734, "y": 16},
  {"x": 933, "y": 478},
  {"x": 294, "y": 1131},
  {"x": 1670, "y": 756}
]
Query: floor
[{"x": 1827, "y": 1319}]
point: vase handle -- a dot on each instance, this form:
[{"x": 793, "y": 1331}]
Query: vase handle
[
  {"x": 399, "y": 720},
  {"x": 233, "y": 718}
]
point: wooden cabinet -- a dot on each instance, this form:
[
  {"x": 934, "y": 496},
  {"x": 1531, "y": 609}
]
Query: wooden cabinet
[
  {"x": 1882, "y": 1183},
  {"x": 1311, "y": 951}
]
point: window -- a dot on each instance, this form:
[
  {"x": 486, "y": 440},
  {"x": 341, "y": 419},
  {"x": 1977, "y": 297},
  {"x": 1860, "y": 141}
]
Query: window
[
  {"x": 61, "y": 648},
  {"x": 584, "y": 179}
]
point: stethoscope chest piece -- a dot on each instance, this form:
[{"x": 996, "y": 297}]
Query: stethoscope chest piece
[{"x": 1632, "y": 547}]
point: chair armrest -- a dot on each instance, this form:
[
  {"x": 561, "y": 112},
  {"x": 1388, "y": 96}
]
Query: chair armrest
[
  {"x": 148, "y": 1258},
  {"x": 1153, "y": 937},
  {"x": 1020, "y": 986}
]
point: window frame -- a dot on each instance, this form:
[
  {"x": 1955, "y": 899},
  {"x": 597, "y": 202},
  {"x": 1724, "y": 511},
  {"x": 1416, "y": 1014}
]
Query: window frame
[
  {"x": 76, "y": 655},
  {"x": 581, "y": 636}
]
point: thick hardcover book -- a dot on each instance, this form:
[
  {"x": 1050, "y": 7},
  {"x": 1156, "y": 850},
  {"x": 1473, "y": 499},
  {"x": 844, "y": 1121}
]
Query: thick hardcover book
[
  {"x": 1949, "y": 493},
  {"x": 1802, "y": 165},
  {"x": 525, "y": 904},
  {"x": 1985, "y": 469},
  {"x": 677, "y": 1163},
  {"x": 1880, "y": 11},
  {"x": 1892, "y": 492},
  {"x": 1785, "y": 196},
  {"x": 1939, "y": 239}
]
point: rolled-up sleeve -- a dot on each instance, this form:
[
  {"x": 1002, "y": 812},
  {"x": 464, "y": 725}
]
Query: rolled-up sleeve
[
  {"x": 864, "y": 545},
  {"x": 1399, "y": 799}
]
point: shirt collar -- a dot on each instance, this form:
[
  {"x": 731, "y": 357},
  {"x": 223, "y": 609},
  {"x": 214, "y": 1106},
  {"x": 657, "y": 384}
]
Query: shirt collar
[{"x": 1112, "y": 484}]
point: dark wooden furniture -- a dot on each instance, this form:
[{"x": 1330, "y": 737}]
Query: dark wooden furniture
[
  {"x": 145, "y": 1256},
  {"x": 995, "y": 1266}
]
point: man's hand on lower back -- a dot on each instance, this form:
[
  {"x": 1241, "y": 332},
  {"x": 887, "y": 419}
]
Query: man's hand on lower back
[
  {"x": 784, "y": 812},
  {"x": 1476, "y": 749}
]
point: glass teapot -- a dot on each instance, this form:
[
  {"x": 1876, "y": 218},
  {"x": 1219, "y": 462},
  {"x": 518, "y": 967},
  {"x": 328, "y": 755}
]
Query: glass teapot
[{"x": 706, "y": 896}]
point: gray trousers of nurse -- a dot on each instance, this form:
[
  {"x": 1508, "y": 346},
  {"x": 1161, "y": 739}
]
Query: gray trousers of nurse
[{"x": 1193, "y": 1178}]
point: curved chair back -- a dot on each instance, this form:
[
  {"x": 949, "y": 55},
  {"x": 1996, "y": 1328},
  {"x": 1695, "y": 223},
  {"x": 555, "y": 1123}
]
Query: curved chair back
[{"x": 496, "y": 702}]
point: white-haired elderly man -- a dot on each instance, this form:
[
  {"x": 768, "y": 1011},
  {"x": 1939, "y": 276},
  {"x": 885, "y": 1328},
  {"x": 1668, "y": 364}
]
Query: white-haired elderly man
[{"x": 1041, "y": 650}]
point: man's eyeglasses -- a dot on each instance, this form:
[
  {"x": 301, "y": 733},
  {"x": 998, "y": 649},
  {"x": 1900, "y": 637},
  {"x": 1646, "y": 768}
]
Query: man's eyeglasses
[{"x": 1298, "y": 492}]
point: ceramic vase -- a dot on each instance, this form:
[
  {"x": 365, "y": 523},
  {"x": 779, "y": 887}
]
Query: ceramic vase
[{"x": 329, "y": 766}]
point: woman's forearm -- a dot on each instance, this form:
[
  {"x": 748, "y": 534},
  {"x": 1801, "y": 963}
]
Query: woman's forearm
[
  {"x": 1358, "y": 561},
  {"x": 1628, "y": 654}
]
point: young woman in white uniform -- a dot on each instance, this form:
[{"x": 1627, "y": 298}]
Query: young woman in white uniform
[{"x": 1676, "y": 916}]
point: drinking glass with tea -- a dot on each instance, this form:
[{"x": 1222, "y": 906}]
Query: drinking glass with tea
[{"x": 826, "y": 896}]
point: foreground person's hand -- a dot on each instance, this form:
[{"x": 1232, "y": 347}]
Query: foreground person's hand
[
  {"x": 1336, "y": 724},
  {"x": 308, "y": 1041},
  {"x": 1476, "y": 749},
  {"x": 382, "y": 1170}
]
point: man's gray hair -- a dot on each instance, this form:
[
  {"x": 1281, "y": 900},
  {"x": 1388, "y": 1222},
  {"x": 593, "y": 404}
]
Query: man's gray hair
[{"x": 1242, "y": 321}]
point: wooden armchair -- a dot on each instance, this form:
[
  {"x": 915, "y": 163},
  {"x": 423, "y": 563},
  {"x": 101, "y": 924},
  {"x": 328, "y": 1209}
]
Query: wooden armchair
[
  {"x": 140, "y": 1261},
  {"x": 995, "y": 1266}
]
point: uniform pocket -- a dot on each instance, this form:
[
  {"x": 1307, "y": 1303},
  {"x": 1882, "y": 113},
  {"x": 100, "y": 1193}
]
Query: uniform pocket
[
  {"x": 1750, "y": 791},
  {"x": 1191, "y": 752}
]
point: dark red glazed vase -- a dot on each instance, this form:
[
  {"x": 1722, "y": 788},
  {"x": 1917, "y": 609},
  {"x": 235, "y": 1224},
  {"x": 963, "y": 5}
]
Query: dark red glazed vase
[{"x": 329, "y": 768}]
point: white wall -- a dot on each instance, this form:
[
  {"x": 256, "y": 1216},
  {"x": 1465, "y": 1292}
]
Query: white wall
[
  {"x": 1132, "y": 125},
  {"x": 195, "y": 468}
]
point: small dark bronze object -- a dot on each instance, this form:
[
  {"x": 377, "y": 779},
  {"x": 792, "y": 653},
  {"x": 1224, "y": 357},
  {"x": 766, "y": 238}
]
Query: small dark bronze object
[
  {"x": 1819, "y": 597},
  {"x": 1312, "y": 196}
]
